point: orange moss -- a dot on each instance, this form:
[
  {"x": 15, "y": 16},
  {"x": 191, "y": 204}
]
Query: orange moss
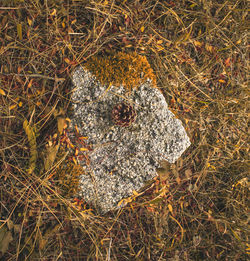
[{"x": 130, "y": 70}]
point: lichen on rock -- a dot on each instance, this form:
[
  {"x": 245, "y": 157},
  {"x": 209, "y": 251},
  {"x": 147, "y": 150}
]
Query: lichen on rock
[
  {"x": 123, "y": 157},
  {"x": 127, "y": 69}
]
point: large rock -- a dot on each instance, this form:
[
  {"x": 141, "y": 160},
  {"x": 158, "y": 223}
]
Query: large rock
[{"x": 122, "y": 159}]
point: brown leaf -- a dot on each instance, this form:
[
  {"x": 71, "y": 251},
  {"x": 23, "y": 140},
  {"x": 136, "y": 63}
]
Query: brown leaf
[
  {"x": 19, "y": 31},
  {"x": 59, "y": 112},
  {"x": 49, "y": 233},
  {"x": 227, "y": 62},
  {"x": 2, "y": 92},
  {"x": 5, "y": 239},
  {"x": 61, "y": 124},
  {"x": 17, "y": 228},
  {"x": 50, "y": 156},
  {"x": 178, "y": 180},
  {"x": 10, "y": 224},
  {"x": 42, "y": 242},
  {"x": 188, "y": 173},
  {"x": 67, "y": 60},
  {"x": 170, "y": 208},
  {"x": 31, "y": 134},
  {"x": 164, "y": 171}
]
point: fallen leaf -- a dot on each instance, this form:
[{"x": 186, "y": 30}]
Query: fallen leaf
[
  {"x": 170, "y": 208},
  {"x": 29, "y": 21},
  {"x": 50, "y": 156},
  {"x": 188, "y": 173},
  {"x": 12, "y": 107},
  {"x": 135, "y": 193},
  {"x": 163, "y": 173},
  {"x": 5, "y": 239},
  {"x": 31, "y": 134},
  {"x": 19, "y": 31},
  {"x": 59, "y": 112},
  {"x": 178, "y": 180},
  {"x": 61, "y": 124},
  {"x": 2, "y": 92},
  {"x": 209, "y": 48},
  {"x": 10, "y": 224},
  {"x": 198, "y": 44},
  {"x": 53, "y": 12},
  {"x": 227, "y": 62},
  {"x": 17, "y": 228},
  {"x": 49, "y": 233},
  {"x": 221, "y": 81},
  {"x": 83, "y": 149},
  {"x": 30, "y": 83},
  {"x": 67, "y": 60}
]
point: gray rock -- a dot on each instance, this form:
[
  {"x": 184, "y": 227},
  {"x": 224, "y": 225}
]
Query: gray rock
[{"x": 122, "y": 159}]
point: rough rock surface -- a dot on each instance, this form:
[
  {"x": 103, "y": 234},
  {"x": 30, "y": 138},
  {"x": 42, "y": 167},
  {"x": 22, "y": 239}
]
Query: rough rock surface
[{"x": 122, "y": 159}]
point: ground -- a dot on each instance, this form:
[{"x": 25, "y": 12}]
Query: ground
[{"x": 197, "y": 208}]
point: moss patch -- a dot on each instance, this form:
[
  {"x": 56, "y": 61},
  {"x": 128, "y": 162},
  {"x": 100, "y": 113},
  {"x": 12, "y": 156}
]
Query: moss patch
[
  {"x": 67, "y": 178},
  {"x": 130, "y": 70}
]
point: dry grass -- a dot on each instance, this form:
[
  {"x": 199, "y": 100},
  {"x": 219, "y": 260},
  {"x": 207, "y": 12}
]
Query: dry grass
[{"x": 197, "y": 208}]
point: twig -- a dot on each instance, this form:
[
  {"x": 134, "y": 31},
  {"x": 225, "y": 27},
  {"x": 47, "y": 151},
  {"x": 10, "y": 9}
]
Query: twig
[
  {"x": 110, "y": 243},
  {"x": 8, "y": 8},
  {"x": 38, "y": 76}
]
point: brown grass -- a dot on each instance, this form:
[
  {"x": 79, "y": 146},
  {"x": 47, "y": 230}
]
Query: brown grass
[{"x": 197, "y": 208}]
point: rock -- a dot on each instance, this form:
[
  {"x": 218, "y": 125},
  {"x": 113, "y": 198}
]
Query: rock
[{"x": 122, "y": 159}]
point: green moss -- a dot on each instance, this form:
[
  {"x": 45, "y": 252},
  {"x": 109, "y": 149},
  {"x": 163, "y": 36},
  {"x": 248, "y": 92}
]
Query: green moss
[{"x": 130, "y": 70}]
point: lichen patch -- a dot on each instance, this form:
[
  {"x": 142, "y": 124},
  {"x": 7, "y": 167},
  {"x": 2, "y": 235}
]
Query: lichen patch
[{"x": 129, "y": 69}]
